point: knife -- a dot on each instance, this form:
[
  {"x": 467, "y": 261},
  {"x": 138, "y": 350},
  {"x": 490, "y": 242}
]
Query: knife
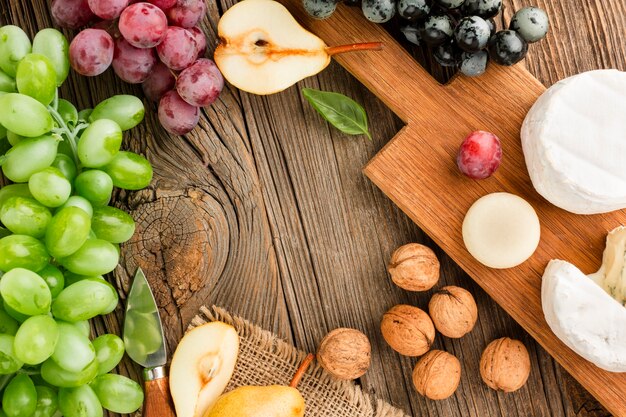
[{"x": 145, "y": 344}]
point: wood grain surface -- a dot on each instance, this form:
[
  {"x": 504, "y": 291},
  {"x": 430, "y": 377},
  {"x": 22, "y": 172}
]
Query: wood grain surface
[{"x": 264, "y": 210}]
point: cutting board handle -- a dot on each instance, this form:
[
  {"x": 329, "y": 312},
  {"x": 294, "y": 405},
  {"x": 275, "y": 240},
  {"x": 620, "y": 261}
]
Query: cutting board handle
[{"x": 158, "y": 401}]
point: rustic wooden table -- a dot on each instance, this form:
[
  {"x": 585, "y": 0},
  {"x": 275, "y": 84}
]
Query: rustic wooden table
[{"x": 263, "y": 210}]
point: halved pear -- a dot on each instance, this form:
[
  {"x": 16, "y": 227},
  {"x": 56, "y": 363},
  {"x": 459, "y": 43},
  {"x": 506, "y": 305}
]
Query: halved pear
[
  {"x": 202, "y": 366},
  {"x": 264, "y": 50}
]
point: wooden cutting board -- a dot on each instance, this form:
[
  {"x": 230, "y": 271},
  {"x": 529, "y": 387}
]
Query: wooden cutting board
[{"x": 417, "y": 170}]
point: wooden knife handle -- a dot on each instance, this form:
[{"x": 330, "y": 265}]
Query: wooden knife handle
[{"x": 158, "y": 401}]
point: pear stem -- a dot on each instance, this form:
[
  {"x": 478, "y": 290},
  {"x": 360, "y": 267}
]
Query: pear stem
[
  {"x": 367, "y": 46},
  {"x": 302, "y": 370}
]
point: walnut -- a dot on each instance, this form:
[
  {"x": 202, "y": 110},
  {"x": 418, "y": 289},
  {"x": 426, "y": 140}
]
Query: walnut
[
  {"x": 408, "y": 330},
  {"x": 453, "y": 311},
  {"x": 437, "y": 375},
  {"x": 414, "y": 267},
  {"x": 505, "y": 365},
  {"x": 345, "y": 353}
]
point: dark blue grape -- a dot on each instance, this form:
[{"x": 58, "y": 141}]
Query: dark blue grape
[
  {"x": 412, "y": 34},
  {"x": 531, "y": 23},
  {"x": 492, "y": 26},
  {"x": 507, "y": 47},
  {"x": 450, "y": 4},
  {"x": 438, "y": 30},
  {"x": 352, "y": 3},
  {"x": 320, "y": 9},
  {"x": 447, "y": 55},
  {"x": 378, "y": 11},
  {"x": 472, "y": 33},
  {"x": 414, "y": 9},
  {"x": 482, "y": 8},
  {"x": 474, "y": 64}
]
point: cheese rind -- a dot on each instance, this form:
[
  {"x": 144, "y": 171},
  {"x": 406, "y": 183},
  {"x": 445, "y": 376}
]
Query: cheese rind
[
  {"x": 585, "y": 317},
  {"x": 574, "y": 142}
]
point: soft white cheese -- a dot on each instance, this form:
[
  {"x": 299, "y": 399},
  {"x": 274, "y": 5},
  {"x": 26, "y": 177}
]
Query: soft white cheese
[
  {"x": 574, "y": 142},
  {"x": 584, "y": 316}
]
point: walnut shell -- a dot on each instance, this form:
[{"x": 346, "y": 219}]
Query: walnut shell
[
  {"x": 408, "y": 330},
  {"x": 505, "y": 365},
  {"x": 437, "y": 375},
  {"x": 414, "y": 267},
  {"x": 453, "y": 311},
  {"x": 345, "y": 353}
]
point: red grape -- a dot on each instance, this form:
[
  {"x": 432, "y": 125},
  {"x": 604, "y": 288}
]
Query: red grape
[
  {"x": 163, "y": 4},
  {"x": 178, "y": 49},
  {"x": 71, "y": 13},
  {"x": 131, "y": 64},
  {"x": 201, "y": 83},
  {"x": 176, "y": 115},
  {"x": 160, "y": 81},
  {"x": 479, "y": 155},
  {"x": 143, "y": 25},
  {"x": 200, "y": 39},
  {"x": 186, "y": 13},
  {"x": 107, "y": 9},
  {"x": 91, "y": 52}
]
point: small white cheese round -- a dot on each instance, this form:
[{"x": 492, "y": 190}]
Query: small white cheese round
[
  {"x": 501, "y": 230},
  {"x": 574, "y": 142}
]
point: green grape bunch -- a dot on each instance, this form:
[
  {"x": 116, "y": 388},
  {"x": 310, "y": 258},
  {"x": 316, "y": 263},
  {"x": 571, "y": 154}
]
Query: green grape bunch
[{"x": 59, "y": 236}]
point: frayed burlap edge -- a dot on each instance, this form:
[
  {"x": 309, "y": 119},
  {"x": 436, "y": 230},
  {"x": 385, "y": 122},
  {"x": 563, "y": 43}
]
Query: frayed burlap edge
[{"x": 325, "y": 395}]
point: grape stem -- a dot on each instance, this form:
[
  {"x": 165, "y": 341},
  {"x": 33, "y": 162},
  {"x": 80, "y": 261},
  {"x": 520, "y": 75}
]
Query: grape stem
[
  {"x": 4, "y": 380},
  {"x": 65, "y": 130}
]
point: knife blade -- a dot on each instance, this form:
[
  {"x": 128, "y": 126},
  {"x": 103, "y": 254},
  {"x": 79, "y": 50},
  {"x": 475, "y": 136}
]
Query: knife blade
[{"x": 145, "y": 345}]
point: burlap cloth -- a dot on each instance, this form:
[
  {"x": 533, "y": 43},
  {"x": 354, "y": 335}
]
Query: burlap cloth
[{"x": 264, "y": 359}]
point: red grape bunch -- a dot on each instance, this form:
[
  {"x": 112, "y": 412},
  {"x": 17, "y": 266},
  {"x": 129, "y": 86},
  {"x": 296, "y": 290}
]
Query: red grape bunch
[{"x": 156, "y": 43}]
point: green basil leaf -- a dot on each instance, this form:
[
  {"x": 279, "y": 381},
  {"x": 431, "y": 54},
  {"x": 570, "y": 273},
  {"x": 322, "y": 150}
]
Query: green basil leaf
[{"x": 340, "y": 111}]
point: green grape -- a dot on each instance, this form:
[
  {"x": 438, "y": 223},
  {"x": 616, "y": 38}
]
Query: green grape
[
  {"x": 9, "y": 363},
  {"x": 99, "y": 143},
  {"x": 25, "y": 216},
  {"x": 72, "y": 278},
  {"x": 83, "y": 300},
  {"x": 29, "y": 156},
  {"x": 19, "y": 317},
  {"x": 36, "y": 339},
  {"x": 126, "y": 110},
  {"x": 14, "y": 45},
  {"x": 74, "y": 352},
  {"x": 7, "y": 83},
  {"x": 85, "y": 329},
  {"x": 13, "y": 190},
  {"x": 22, "y": 251},
  {"x": 112, "y": 224},
  {"x": 55, "y": 375},
  {"x": 8, "y": 325},
  {"x": 24, "y": 115},
  {"x": 66, "y": 165},
  {"x": 114, "y": 302},
  {"x": 47, "y": 401},
  {"x": 20, "y": 397},
  {"x": 95, "y": 257},
  {"x": 25, "y": 292},
  {"x": 53, "y": 44},
  {"x": 3, "y": 134},
  {"x": 80, "y": 202},
  {"x": 67, "y": 111},
  {"x": 79, "y": 402},
  {"x": 118, "y": 393},
  {"x": 109, "y": 351},
  {"x": 37, "y": 78},
  {"x": 94, "y": 185},
  {"x": 50, "y": 187},
  {"x": 84, "y": 114},
  {"x": 14, "y": 138},
  {"x": 54, "y": 279},
  {"x": 4, "y": 232},
  {"x": 129, "y": 171},
  {"x": 67, "y": 231}
]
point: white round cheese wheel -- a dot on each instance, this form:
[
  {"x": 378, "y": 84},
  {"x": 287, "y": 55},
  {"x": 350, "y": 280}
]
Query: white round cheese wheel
[
  {"x": 574, "y": 141},
  {"x": 501, "y": 230}
]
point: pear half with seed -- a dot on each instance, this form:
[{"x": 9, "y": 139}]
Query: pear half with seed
[{"x": 264, "y": 50}]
